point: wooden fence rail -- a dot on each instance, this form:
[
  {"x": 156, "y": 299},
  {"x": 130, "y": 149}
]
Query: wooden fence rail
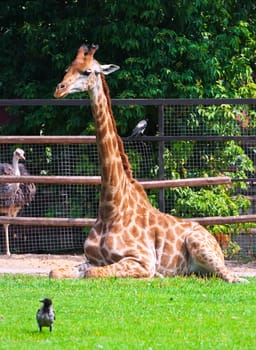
[
  {"x": 67, "y": 140},
  {"x": 96, "y": 180},
  {"x": 78, "y": 222},
  {"x": 64, "y": 140}
]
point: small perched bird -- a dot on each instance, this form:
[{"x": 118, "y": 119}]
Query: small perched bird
[
  {"x": 139, "y": 129},
  {"x": 46, "y": 315}
]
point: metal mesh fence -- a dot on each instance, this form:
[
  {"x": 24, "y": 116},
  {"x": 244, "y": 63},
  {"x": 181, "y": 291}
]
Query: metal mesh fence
[
  {"x": 210, "y": 140},
  {"x": 54, "y": 200},
  {"x": 64, "y": 200},
  {"x": 204, "y": 141}
]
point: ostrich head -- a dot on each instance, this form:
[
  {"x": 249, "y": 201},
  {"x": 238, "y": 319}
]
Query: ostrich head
[{"x": 19, "y": 154}]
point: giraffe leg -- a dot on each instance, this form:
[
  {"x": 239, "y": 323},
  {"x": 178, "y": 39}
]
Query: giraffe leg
[
  {"x": 64, "y": 272},
  {"x": 7, "y": 247},
  {"x": 126, "y": 267},
  {"x": 70, "y": 272},
  {"x": 205, "y": 256}
]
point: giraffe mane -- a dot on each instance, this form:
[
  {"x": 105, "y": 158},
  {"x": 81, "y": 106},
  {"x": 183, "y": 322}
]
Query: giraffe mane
[{"x": 125, "y": 161}]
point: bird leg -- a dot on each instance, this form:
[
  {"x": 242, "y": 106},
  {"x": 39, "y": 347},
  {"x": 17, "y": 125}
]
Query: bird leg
[{"x": 7, "y": 247}]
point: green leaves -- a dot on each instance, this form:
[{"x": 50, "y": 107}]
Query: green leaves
[{"x": 165, "y": 49}]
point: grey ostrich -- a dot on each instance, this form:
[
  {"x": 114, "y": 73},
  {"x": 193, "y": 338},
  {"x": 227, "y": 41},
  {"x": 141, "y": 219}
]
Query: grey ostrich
[{"x": 13, "y": 196}]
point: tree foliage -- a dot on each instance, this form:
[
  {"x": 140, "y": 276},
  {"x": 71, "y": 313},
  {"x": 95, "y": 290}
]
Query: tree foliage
[{"x": 166, "y": 49}]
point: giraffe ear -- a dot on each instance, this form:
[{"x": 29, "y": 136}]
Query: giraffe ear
[{"x": 108, "y": 68}]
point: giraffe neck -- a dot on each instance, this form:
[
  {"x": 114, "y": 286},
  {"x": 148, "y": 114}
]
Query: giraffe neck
[{"x": 115, "y": 168}]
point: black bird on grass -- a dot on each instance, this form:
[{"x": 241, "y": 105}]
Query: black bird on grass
[
  {"x": 139, "y": 129},
  {"x": 46, "y": 315}
]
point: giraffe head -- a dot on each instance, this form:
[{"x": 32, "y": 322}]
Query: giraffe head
[{"x": 81, "y": 74}]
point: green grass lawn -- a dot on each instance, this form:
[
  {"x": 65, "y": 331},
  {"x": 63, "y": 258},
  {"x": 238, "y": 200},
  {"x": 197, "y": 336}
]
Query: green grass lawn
[{"x": 176, "y": 313}]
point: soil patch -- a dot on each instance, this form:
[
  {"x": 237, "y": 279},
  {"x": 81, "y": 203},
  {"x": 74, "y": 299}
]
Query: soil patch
[
  {"x": 42, "y": 264},
  {"x": 37, "y": 264}
]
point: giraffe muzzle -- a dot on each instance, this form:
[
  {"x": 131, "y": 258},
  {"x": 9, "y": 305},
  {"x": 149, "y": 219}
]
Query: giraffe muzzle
[{"x": 60, "y": 90}]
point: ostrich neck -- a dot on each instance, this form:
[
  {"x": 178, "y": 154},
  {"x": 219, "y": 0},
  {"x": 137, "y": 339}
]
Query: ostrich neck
[{"x": 15, "y": 164}]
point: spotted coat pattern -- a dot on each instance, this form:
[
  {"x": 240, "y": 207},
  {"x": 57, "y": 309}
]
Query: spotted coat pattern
[{"x": 131, "y": 238}]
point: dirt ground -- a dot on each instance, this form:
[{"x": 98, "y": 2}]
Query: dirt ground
[
  {"x": 37, "y": 264},
  {"x": 42, "y": 264}
]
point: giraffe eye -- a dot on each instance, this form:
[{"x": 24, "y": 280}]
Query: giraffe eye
[{"x": 86, "y": 72}]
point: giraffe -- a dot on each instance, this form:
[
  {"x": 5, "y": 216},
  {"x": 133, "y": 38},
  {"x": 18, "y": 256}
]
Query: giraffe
[{"x": 131, "y": 238}]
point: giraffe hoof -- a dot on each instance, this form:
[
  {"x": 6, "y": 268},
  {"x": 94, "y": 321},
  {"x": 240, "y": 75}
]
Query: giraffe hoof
[
  {"x": 64, "y": 273},
  {"x": 82, "y": 268},
  {"x": 240, "y": 280}
]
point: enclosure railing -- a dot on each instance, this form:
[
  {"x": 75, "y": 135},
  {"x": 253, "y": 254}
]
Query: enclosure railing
[
  {"x": 89, "y": 180},
  {"x": 160, "y": 183},
  {"x": 159, "y": 104}
]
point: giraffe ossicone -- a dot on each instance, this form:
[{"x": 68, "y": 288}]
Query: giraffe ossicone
[{"x": 131, "y": 238}]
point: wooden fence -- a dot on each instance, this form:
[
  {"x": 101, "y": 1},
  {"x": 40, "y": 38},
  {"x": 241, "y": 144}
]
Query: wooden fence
[{"x": 96, "y": 180}]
